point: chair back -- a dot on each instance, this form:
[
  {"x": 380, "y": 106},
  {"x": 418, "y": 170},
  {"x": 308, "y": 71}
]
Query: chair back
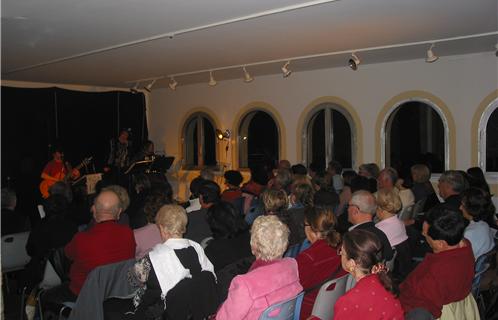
[
  {"x": 480, "y": 268},
  {"x": 50, "y": 277},
  {"x": 350, "y": 282},
  {"x": 14, "y": 255},
  {"x": 390, "y": 263},
  {"x": 329, "y": 292},
  {"x": 406, "y": 213},
  {"x": 283, "y": 310},
  {"x": 418, "y": 207}
]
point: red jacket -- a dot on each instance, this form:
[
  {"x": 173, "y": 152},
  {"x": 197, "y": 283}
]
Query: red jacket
[
  {"x": 441, "y": 278},
  {"x": 316, "y": 264},
  {"x": 104, "y": 243}
]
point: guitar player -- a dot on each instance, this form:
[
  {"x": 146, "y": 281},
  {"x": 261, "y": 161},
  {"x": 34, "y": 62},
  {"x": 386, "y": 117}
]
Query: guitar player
[{"x": 56, "y": 170}]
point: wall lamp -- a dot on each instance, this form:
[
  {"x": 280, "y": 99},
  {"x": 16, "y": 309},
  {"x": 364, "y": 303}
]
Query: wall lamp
[
  {"x": 221, "y": 135},
  {"x": 354, "y": 61},
  {"x": 431, "y": 57}
]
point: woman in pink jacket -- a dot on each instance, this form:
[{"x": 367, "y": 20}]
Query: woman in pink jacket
[{"x": 270, "y": 279}]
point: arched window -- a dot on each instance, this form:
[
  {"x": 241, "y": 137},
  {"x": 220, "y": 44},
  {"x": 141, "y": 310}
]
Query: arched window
[
  {"x": 329, "y": 135},
  {"x": 199, "y": 141},
  {"x": 258, "y": 140},
  {"x": 488, "y": 138},
  {"x": 416, "y": 132}
]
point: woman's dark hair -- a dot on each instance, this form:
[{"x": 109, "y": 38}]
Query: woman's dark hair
[
  {"x": 56, "y": 206},
  {"x": 304, "y": 194},
  {"x": 365, "y": 248},
  {"x": 478, "y": 204},
  {"x": 210, "y": 191},
  {"x": 445, "y": 224},
  {"x": 225, "y": 221},
  {"x": 299, "y": 169},
  {"x": 322, "y": 220},
  {"x": 155, "y": 199},
  {"x": 476, "y": 178},
  {"x": 141, "y": 183}
]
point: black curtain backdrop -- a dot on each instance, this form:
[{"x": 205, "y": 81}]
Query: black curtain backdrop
[{"x": 81, "y": 122}]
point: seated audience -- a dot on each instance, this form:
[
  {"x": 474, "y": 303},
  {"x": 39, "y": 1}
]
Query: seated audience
[
  {"x": 175, "y": 280},
  {"x": 301, "y": 196},
  {"x": 316, "y": 168},
  {"x": 12, "y": 221},
  {"x": 252, "y": 190},
  {"x": 388, "y": 204},
  {"x": 320, "y": 262},
  {"x": 361, "y": 209},
  {"x": 334, "y": 170},
  {"x": 198, "y": 227},
  {"x": 446, "y": 275},
  {"x": 282, "y": 180},
  {"x": 124, "y": 203},
  {"x": 476, "y": 179},
  {"x": 231, "y": 235},
  {"x": 194, "y": 203},
  {"x": 422, "y": 187},
  {"x": 207, "y": 174},
  {"x": 451, "y": 184},
  {"x": 387, "y": 179},
  {"x": 233, "y": 179},
  {"x": 148, "y": 236},
  {"x": 374, "y": 295},
  {"x": 103, "y": 243},
  {"x": 478, "y": 208},
  {"x": 270, "y": 279},
  {"x": 369, "y": 170}
]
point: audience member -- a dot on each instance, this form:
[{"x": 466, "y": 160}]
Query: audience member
[
  {"x": 148, "y": 236},
  {"x": 451, "y": 184},
  {"x": 422, "y": 187},
  {"x": 387, "y": 179},
  {"x": 315, "y": 168},
  {"x": 477, "y": 209},
  {"x": 388, "y": 204},
  {"x": 374, "y": 295},
  {"x": 281, "y": 181},
  {"x": 124, "y": 203},
  {"x": 320, "y": 262},
  {"x": 284, "y": 164},
  {"x": 477, "y": 179},
  {"x": 335, "y": 170},
  {"x": 369, "y": 170},
  {"x": 270, "y": 279},
  {"x": 361, "y": 209},
  {"x": 167, "y": 277},
  {"x": 231, "y": 235},
  {"x": 198, "y": 227},
  {"x": 194, "y": 203},
  {"x": 444, "y": 276},
  {"x": 105, "y": 242},
  {"x": 233, "y": 179},
  {"x": 12, "y": 221},
  {"x": 207, "y": 174}
]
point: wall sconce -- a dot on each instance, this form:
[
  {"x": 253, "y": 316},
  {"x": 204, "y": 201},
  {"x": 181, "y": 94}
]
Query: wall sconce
[{"x": 221, "y": 135}]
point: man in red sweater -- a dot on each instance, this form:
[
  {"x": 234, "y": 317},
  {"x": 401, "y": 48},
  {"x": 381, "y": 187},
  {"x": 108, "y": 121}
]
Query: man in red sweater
[
  {"x": 444, "y": 276},
  {"x": 104, "y": 243}
]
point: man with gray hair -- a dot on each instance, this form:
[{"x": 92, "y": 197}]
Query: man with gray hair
[
  {"x": 361, "y": 210},
  {"x": 387, "y": 180},
  {"x": 451, "y": 184},
  {"x": 103, "y": 243}
]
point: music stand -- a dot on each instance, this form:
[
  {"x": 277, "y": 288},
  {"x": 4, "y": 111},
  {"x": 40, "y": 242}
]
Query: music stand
[{"x": 161, "y": 164}]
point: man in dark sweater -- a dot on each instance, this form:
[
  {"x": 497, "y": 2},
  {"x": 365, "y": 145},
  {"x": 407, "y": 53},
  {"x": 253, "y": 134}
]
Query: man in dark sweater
[{"x": 361, "y": 210}]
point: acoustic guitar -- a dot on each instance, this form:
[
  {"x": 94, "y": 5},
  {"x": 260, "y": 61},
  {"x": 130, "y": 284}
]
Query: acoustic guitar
[{"x": 46, "y": 184}]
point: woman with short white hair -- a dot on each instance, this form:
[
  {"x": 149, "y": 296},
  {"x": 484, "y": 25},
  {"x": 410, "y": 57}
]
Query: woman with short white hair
[{"x": 270, "y": 279}]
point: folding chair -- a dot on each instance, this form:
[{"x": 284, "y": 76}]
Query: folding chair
[
  {"x": 329, "y": 292},
  {"x": 283, "y": 310}
]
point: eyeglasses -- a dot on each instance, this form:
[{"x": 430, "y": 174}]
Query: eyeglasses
[{"x": 307, "y": 224}]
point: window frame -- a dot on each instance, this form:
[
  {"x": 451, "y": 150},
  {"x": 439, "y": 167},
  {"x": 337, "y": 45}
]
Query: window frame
[
  {"x": 481, "y": 136},
  {"x": 306, "y": 138},
  {"x": 198, "y": 117},
  {"x": 387, "y": 121}
]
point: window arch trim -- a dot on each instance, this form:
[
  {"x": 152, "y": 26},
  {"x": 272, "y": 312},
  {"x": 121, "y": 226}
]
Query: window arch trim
[
  {"x": 241, "y": 116},
  {"x": 193, "y": 113},
  {"x": 482, "y": 135},
  {"x": 437, "y": 105},
  {"x": 347, "y": 110}
]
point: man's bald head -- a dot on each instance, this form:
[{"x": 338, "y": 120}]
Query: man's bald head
[{"x": 106, "y": 206}]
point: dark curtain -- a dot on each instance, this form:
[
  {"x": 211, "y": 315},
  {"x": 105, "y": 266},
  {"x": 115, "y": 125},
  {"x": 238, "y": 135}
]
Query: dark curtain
[{"x": 81, "y": 122}]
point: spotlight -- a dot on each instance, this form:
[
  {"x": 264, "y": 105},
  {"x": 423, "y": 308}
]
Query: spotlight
[
  {"x": 431, "y": 57},
  {"x": 247, "y": 76},
  {"x": 354, "y": 61},
  {"x": 285, "y": 70},
  {"x": 212, "y": 82},
  {"x": 223, "y": 134},
  {"x": 172, "y": 85},
  {"x": 134, "y": 89},
  {"x": 148, "y": 88}
]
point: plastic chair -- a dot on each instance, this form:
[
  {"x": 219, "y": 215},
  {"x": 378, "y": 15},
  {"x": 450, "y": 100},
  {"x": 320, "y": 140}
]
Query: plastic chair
[
  {"x": 350, "y": 282},
  {"x": 480, "y": 268},
  {"x": 283, "y": 310},
  {"x": 329, "y": 292},
  {"x": 14, "y": 255}
]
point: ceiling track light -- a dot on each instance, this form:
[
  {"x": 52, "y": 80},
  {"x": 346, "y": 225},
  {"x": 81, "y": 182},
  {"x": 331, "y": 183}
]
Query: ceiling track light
[
  {"x": 247, "y": 76},
  {"x": 354, "y": 61},
  {"x": 212, "y": 82},
  {"x": 431, "y": 57},
  {"x": 285, "y": 70},
  {"x": 148, "y": 88},
  {"x": 172, "y": 84}
]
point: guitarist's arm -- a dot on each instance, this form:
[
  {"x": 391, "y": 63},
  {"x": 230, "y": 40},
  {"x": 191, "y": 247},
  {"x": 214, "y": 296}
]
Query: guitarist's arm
[{"x": 45, "y": 176}]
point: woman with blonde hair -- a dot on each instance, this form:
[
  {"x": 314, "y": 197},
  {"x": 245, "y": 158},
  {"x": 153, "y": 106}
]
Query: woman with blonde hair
[{"x": 271, "y": 278}]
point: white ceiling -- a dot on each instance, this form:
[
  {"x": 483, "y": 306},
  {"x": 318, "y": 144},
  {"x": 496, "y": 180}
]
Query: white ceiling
[{"x": 65, "y": 41}]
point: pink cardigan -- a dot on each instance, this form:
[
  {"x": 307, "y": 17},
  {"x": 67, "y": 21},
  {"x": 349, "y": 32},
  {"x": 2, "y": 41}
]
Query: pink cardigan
[{"x": 250, "y": 294}]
